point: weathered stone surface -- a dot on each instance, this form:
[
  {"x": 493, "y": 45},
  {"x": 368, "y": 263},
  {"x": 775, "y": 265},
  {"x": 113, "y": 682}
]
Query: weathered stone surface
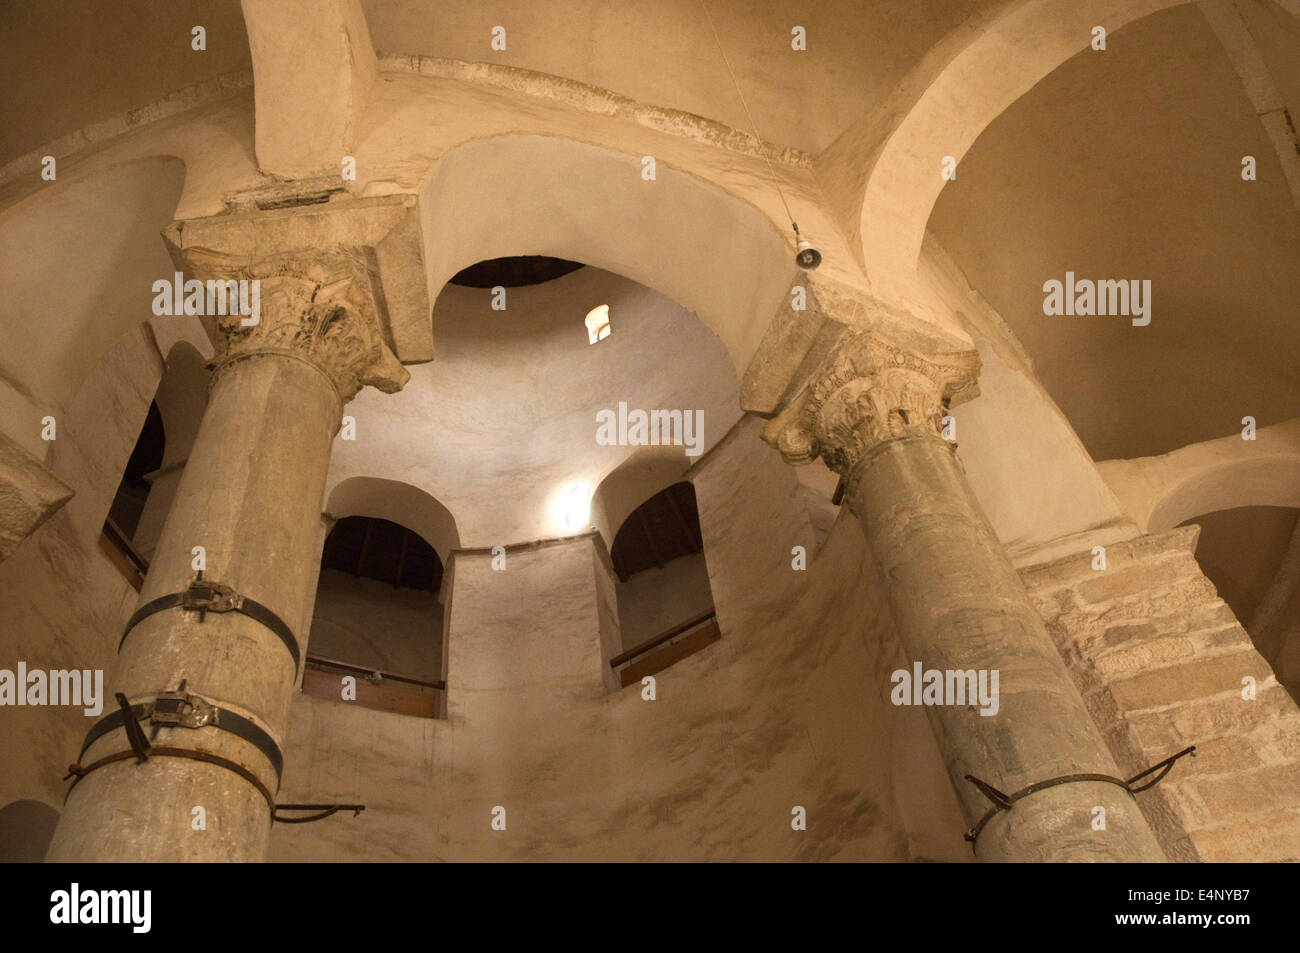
[
  {"x": 874, "y": 414},
  {"x": 29, "y": 495},
  {"x": 1161, "y": 660}
]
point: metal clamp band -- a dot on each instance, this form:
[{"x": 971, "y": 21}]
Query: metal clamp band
[
  {"x": 179, "y": 709},
  {"x": 203, "y": 597},
  {"x": 1004, "y": 802},
  {"x": 77, "y": 772}
]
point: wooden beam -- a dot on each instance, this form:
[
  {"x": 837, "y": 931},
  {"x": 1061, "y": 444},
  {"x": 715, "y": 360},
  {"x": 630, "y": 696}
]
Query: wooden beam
[
  {"x": 401, "y": 557},
  {"x": 649, "y": 537},
  {"x": 365, "y": 545},
  {"x": 660, "y": 660},
  {"x": 693, "y": 540},
  {"x": 664, "y": 636}
]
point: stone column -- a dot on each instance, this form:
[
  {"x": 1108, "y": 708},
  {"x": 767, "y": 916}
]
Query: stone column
[
  {"x": 874, "y": 414},
  {"x": 251, "y": 497}
]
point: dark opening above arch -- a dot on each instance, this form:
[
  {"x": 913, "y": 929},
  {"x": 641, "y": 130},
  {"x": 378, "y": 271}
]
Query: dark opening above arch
[
  {"x": 658, "y": 531},
  {"x": 516, "y": 271},
  {"x": 380, "y": 549}
]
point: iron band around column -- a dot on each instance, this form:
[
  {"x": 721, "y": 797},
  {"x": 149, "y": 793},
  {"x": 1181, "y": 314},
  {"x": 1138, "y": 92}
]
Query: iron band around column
[
  {"x": 181, "y": 710},
  {"x": 1004, "y": 802},
  {"x": 77, "y": 772},
  {"x": 203, "y": 597}
]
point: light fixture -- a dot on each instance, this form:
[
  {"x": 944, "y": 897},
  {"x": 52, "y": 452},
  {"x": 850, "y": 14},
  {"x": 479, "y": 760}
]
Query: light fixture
[
  {"x": 575, "y": 506},
  {"x": 597, "y": 322},
  {"x": 805, "y": 256}
]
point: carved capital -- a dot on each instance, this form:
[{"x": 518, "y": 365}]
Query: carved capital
[
  {"x": 322, "y": 307},
  {"x": 869, "y": 390}
]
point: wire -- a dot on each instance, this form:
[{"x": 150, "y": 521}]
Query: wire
[{"x": 752, "y": 125}]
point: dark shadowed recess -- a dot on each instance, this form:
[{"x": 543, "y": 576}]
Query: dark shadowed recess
[
  {"x": 379, "y": 549},
  {"x": 514, "y": 272},
  {"x": 658, "y": 531}
]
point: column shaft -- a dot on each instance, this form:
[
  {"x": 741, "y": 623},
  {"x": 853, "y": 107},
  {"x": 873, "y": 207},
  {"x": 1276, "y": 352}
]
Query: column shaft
[
  {"x": 959, "y": 604},
  {"x": 251, "y": 496}
]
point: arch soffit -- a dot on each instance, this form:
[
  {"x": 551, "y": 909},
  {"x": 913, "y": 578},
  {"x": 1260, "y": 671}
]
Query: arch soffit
[
  {"x": 530, "y": 194},
  {"x": 399, "y": 503},
  {"x": 883, "y": 173}
]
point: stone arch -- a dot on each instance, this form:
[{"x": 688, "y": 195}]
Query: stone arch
[
  {"x": 631, "y": 483},
  {"x": 884, "y": 175},
  {"x": 25, "y": 830},
  {"x": 1226, "y": 485},
  {"x": 399, "y": 503},
  {"x": 525, "y": 194},
  {"x": 108, "y": 224}
]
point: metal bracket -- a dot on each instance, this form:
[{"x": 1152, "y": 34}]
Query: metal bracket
[
  {"x": 324, "y": 811},
  {"x": 180, "y": 709},
  {"x": 203, "y": 597}
]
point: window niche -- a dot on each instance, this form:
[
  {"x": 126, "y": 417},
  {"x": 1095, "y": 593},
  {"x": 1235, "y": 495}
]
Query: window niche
[
  {"x": 665, "y": 604},
  {"x": 377, "y": 628}
]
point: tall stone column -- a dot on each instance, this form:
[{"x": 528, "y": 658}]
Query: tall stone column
[
  {"x": 251, "y": 497},
  {"x": 874, "y": 413}
]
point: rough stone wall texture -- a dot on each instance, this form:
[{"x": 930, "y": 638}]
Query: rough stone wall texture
[
  {"x": 62, "y": 602},
  {"x": 1160, "y": 661},
  {"x": 789, "y": 708}
]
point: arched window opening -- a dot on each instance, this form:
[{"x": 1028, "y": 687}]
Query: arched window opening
[
  {"x": 1252, "y": 555},
  {"x": 377, "y": 629},
  {"x": 665, "y": 604},
  {"x": 132, "y": 494},
  {"x": 26, "y": 829}
]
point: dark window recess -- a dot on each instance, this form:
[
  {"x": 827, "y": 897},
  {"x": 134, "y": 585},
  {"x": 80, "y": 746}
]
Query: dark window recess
[
  {"x": 133, "y": 491},
  {"x": 514, "y": 272},
  {"x": 661, "y": 529},
  {"x": 128, "y": 503},
  {"x": 378, "y": 549}
]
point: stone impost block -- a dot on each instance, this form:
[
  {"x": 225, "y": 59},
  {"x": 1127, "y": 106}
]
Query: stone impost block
[
  {"x": 29, "y": 495},
  {"x": 266, "y": 227}
]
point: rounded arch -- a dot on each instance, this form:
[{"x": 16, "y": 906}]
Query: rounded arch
[
  {"x": 1227, "y": 485},
  {"x": 631, "y": 483},
  {"x": 884, "y": 176},
  {"x": 524, "y": 194},
  {"x": 26, "y": 828},
  {"x": 399, "y": 503},
  {"x": 106, "y": 226}
]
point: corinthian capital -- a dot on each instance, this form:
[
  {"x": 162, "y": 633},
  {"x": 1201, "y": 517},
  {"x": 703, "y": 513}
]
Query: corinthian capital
[
  {"x": 319, "y": 306},
  {"x": 869, "y": 390}
]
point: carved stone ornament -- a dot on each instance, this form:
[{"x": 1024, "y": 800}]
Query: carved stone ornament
[
  {"x": 868, "y": 391},
  {"x": 321, "y": 307}
]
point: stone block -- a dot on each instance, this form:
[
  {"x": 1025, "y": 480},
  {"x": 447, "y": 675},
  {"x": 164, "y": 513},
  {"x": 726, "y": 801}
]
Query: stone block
[
  {"x": 29, "y": 495},
  {"x": 1188, "y": 681},
  {"x": 1272, "y": 838}
]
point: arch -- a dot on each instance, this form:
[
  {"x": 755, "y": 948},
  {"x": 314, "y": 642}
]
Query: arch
[
  {"x": 399, "y": 503},
  {"x": 631, "y": 483},
  {"x": 1161, "y": 492},
  {"x": 663, "y": 590},
  {"x": 378, "y": 608},
  {"x": 523, "y": 194},
  {"x": 1227, "y": 485},
  {"x": 107, "y": 225},
  {"x": 883, "y": 174},
  {"x": 26, "y": 828}
]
